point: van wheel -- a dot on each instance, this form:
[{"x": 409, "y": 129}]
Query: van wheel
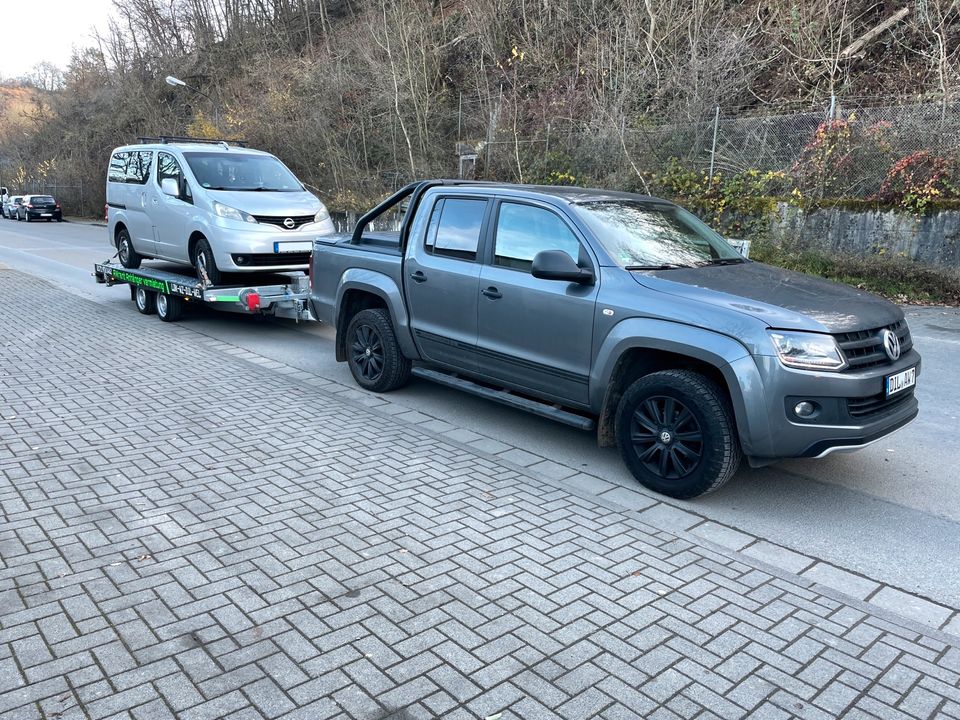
[
  {"x": 203, "y": 262},
  {"x": 146, "y": 301},
  {"x": 676, "y": 433},
  {"x": 129, "y": 257},
  {"x": 169, "y": 307},
  {"x": 373, "y": 354}
]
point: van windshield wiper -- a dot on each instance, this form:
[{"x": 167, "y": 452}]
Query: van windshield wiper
[{"x": 662, "y": 266}]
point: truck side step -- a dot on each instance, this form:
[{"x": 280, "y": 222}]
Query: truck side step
[{"x": 505, "y": 397}]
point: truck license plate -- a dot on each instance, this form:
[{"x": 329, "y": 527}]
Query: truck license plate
[
  {"x": 900, "y": 381},
  {"x": 291, "y": 247}
]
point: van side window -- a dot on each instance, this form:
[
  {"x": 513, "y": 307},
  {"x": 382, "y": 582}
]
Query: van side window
[
  {"x": 138, "y": 166},
  {"x": 168, "y": 167},
  {"x": 454, "y": 229},
  {"x": 118, "y": 168}
]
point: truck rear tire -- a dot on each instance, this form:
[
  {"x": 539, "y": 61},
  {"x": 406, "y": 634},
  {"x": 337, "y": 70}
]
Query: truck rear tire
[
  {"x": 146, "y": 300},
  {"x": 676, "y": 433},
  {"x": 373, "y": 353},
  {"x": 169, "y": 307}
]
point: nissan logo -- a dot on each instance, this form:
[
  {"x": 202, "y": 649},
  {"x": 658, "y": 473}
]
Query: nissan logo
[
  {"x": 289, "y": 223},
  {"x": 891, "y": 344}
]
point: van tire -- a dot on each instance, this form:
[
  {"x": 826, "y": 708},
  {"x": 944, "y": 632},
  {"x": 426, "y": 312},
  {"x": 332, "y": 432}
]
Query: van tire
[
  {"x": 203, "y": 257},
  {"x": 376, "y": 361},
  {"x": 146, "y": 300},
  {"x": 676, "y": 433},
  {"x": 169, "y": 307},
  {"x": 129, "y": 257}
]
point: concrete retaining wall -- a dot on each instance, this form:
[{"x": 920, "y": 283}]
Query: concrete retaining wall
[{"x": 933, "y": 239}]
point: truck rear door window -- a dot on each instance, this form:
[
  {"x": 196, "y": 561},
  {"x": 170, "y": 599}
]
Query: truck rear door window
[{"x": 454, "y": 229}]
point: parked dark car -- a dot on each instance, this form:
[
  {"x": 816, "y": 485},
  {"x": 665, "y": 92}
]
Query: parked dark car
[
  {"x": 10, "y": 206},
  {"x": 39, "y": 207}
]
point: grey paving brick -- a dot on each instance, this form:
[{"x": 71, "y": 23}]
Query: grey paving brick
[{"x": 373, "y": 568}]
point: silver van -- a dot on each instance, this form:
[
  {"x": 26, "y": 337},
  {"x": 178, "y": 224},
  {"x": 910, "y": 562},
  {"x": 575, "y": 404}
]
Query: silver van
[{"x": 219, "y": 207}]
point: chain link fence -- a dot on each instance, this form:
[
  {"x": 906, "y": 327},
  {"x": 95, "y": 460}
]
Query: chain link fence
[{"x": 845, "y": 147}]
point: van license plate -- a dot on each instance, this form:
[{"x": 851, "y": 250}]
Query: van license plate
[
  {"x": 901, "y": 381},
  {"x": 291, "y": 247},
  {"x": 45, "y": 214}
]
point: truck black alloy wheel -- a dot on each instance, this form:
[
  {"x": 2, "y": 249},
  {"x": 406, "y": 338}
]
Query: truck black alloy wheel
[
  {"x": 146, "y": 301},
  {"x": 373, "y": 354},
  {"x": 129, "y": 257},
  {"x": 676, "y": 433},
  {"x": 169, "y": 307}
]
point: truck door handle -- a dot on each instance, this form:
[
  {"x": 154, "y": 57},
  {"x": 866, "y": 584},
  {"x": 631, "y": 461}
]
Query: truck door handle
[
  {"x": 418, "y": 276},
  {"x": 492, "y": 293}
]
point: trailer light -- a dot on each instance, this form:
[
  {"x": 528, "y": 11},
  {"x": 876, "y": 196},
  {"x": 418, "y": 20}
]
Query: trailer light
[{"x": 251, "y": 299}]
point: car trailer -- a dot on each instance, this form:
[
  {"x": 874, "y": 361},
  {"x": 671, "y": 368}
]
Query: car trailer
[{"x": 167, "y": 293}]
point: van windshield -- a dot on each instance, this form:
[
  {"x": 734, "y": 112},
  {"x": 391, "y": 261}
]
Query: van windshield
[{"x": 241, "y": 172}]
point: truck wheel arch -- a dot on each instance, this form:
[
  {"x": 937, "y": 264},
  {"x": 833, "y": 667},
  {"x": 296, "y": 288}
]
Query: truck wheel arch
[
  {"x": 640, "y": 346},
  {"x": 361, "y": 290}
]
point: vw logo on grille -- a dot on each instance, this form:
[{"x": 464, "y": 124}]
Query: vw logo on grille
[
  {"x": 289, "y": 223},
  {"x": 891, "y": 344}
]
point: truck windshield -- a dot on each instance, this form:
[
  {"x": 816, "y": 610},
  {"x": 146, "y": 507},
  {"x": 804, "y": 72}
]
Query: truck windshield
[
  {"x": 643, "y": 235},
  {"x": 241, "y": 171}
]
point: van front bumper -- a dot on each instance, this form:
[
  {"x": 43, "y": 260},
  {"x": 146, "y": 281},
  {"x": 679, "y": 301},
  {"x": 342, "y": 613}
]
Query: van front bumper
[{"x": 245, "y": 247}]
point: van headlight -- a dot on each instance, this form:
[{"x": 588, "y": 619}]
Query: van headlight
[
  {"x": 807, "y": 351},
  {"x": 225, "y": 211},
  {"x": 323, "y": 214}
]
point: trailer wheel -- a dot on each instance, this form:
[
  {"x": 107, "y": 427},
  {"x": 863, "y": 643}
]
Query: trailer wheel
[
  {"x": 129, "y": 257},
  {"x": 146, "y": 301},
  {"x": 373, "y": 354},
  {"x": 169, "y": 307}
]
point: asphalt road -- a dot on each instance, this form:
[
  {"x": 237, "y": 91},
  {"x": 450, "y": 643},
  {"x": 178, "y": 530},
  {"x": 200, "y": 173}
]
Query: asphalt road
[{"x": 890, "y": 512}]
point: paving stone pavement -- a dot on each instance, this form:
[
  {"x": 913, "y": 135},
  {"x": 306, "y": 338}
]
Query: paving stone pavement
[{"x": 188, "y": 534}]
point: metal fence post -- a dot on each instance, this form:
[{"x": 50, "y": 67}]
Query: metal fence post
[
  {"x": 832, "y": 115},
  {"x": 713, "y": 147}
]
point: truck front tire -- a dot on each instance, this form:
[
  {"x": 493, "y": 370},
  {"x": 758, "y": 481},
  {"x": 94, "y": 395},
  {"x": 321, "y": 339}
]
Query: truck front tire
[
  {"x": 676, "y": 433},
  {"x": 373, "y": 354}
]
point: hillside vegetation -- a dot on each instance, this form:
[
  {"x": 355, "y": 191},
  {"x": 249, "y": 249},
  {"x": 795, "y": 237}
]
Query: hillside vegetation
[{"x": 360, "y": 95}]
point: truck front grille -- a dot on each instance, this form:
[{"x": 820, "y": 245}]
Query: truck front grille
[
  {"x": 878, "y": 404},
  {"x": 864, "y": 348},
  {"x": 298, "y": 220}
]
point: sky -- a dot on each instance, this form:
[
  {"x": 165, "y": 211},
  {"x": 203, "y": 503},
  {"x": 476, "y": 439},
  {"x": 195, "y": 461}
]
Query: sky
[{"x": 66, "y": 23}]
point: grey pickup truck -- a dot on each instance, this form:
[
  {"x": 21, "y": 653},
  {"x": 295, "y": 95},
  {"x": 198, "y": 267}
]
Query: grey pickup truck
[{"x": 616, "y": 313}]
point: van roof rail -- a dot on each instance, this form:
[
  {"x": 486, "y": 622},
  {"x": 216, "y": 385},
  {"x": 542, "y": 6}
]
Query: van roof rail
[{"x": 166, "y": 139}]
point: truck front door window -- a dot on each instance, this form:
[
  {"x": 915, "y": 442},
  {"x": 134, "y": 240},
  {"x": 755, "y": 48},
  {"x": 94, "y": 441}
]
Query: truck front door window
[{"x": 525, "y": 230}]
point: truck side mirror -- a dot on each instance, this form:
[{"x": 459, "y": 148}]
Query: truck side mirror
[{"x": 557, "y": 265}]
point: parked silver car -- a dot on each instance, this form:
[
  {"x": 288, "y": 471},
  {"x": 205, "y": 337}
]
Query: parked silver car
[
  {"x": 216, "y": 206},
  {"x": 11, "y": 205}
]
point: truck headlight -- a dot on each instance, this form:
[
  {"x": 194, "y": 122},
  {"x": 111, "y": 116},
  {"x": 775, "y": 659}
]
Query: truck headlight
[
  {"x": 807, "y": 351},
  {"x": 323, "y": 214},
  {"x": 225, "y": 211}
]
